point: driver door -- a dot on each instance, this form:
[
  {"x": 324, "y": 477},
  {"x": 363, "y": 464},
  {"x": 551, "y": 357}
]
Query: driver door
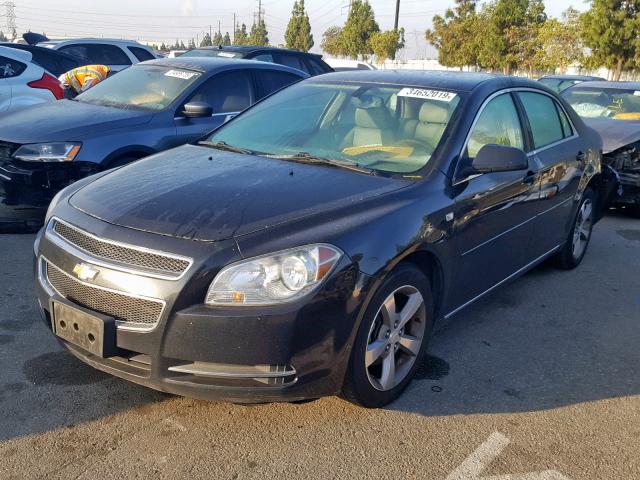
[
  {"x": 228, "y": 93},
  {"x": 494, "y": 212}
]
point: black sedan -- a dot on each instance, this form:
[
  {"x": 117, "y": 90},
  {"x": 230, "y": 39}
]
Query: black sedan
[{"x": 308, "y": 247}]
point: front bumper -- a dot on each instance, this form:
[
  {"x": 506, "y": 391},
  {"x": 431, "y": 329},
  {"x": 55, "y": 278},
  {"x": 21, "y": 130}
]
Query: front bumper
[
  {"x": 242, "y": 354},
  {"x": 26, "y": 189}
]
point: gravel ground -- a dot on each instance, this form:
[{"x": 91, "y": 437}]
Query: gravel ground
[{"x": 543, "y": 376}]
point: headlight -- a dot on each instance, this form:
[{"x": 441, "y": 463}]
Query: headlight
[
  {"x": 48, "y": 152},
  {"x": 276, "y": 278}
]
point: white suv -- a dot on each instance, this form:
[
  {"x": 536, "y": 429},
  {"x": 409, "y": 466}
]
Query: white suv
[
  {"x": 116, "y": 54},
  {"x": 23, "y": 83}
]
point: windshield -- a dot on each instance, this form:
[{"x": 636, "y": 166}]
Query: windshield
[
  {"x": 616, "y": 103},
  {"x": 208, "y": 52},
  {"x": 386, "y": 128},
  {"x": 148, "y": 87},
  {"x": 557, "y": 84}
]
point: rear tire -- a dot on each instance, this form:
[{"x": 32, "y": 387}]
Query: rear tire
[
  {"x": 579, "y": 237},
  {"x": 392, "y": 339}
]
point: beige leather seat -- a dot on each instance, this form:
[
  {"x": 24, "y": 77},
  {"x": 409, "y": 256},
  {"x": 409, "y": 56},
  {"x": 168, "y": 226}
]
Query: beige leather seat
[
  {"x": 373, "y": 127},
  {"x": 432, "y": 121}
]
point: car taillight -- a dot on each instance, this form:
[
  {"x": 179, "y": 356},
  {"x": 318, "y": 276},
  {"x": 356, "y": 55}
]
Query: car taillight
[{"x": 49, "y": 82}]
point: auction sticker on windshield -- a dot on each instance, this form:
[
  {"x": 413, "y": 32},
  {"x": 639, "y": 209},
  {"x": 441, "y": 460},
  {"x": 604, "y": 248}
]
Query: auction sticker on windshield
[
  {"x": 438, "y": 95},
  {"x": 180, "y": 74}
]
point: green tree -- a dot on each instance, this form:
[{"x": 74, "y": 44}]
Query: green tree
[
  {"x": 456, "y": 35},
  {"x": 3, "y": 38},
  {"x": 332, "y": 42},
  {"x": 241, "y": 37},
  {"x": 524, "y": 41},
  {"x": 226, "y": 40},
  {"x": 360, "y": 25},
  {"x": 192, "y": 44},
  {"x": 259, "y": 35},
  {"x": 384, "y": 45},
  {"x": 206, "y": 40},
  {"x": 217, "y": 39},
  {"x": 163, "y": 47},
  {"x": 298, "y": 35},
  {"x": 611, "y": 28},
  {"x": 560, "y": 42}
]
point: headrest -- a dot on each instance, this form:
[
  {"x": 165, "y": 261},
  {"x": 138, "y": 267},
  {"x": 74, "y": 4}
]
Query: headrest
[
  {"x": 372, "y": 117},
  {"x": 434, "y": 113}
]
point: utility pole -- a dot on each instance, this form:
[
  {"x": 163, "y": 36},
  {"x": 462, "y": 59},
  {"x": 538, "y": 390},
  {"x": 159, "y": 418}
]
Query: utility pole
[
  {"x": 395, "y": 24},
  {"x": 11, "y": 19},
  {"x": 219, "y": 28},
  {"x": 234, "y": 28},
  {"x": 210, "y": 37}
]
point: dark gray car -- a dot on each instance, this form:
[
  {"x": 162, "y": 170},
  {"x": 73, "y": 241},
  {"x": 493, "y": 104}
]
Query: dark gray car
[{"x": 142, "y": 110}]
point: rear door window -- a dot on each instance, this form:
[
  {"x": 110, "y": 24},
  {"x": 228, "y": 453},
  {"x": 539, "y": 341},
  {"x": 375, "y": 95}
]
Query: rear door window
[
  {"x": 543, "y": 118},
  {"x": 141, "y": 54},
  {"x": 315, "y": 67},
  {"x": 273, "y": 80},
  {"x": 227, "y": 92},
  {"x": 264, "y": 57},
  {"x": 98, "y": 53},
  {"x": 10, "y": 68},
  {"x": 292, "y": 61},
  {"x": 498, "y": 124}
]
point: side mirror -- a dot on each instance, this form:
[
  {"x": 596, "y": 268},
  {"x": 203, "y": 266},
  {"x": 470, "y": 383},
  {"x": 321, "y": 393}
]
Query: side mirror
[
  {"x": 197, "y": 110},
  {"x": 496, "y": 158}
]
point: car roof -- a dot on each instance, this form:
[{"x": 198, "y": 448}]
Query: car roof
[
  {"x": 210, "y": 64},
  {"x": 584, "y": 78},
  {"x": 35, "y": 48},
  {"x": 449, "y": 80},
  {"x": 605, "y": 84},
  {"x": 255, "y": 48},
  {"x": 16, "y": 53},
  {"x": 116, "y": 41}
]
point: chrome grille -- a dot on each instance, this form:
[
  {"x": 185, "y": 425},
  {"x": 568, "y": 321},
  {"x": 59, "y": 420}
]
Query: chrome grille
[
  {"x": 114, "y": 252},
  {"x": 135, "y": 312}
]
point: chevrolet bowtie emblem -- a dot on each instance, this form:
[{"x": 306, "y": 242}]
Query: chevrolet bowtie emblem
[{"x": 85, "y": 272}]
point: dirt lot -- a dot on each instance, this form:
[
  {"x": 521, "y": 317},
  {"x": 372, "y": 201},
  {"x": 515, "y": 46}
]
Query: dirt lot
[{"x": 543, "y": 376}]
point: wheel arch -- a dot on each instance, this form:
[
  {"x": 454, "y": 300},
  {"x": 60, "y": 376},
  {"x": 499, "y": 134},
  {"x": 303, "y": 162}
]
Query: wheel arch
[{"x": 131, "y": 151}]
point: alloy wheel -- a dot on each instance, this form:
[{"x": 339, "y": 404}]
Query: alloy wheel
[
  {"x": 395, "y": 338},
  {"x": 582, "y": 229}
]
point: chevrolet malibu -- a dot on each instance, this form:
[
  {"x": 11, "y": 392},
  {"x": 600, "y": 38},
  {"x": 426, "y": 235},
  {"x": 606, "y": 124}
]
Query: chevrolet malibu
[{"x": 309, "y": 246}]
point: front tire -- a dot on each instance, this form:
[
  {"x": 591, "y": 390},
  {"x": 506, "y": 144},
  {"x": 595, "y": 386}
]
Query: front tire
[
  {"x": 392, "y": 339},
  {"x": 576, "y": 245}
]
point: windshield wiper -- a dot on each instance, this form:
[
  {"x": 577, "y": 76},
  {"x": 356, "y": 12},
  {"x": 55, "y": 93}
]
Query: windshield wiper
[
  {"x": 227, "y": 148},
  {"x": 306, "y": 157}
]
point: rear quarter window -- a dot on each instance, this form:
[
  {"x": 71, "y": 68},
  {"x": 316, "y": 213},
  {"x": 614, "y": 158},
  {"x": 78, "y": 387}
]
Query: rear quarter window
[
  {"x": 10, "y": 68},
  {"x": 141, "y": 54}
]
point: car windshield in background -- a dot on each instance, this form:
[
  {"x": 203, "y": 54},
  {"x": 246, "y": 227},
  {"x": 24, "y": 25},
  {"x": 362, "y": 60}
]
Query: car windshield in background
[
  {"x": 616, "y": 103},
  {"x": 207, "y": 52},
  {"x": 148, "y": 87},
  {"x": 386, "y": 128},
  {"x": 558, "y": 85}
]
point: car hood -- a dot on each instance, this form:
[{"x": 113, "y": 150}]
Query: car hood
[
  {"x": 199, "y": 193},
  {"x": 615, "y": 133},
  {"x": 66, "y": 120}
]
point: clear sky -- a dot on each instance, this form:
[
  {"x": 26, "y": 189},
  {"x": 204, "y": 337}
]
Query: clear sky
[{"x": 167, "y": 20}]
